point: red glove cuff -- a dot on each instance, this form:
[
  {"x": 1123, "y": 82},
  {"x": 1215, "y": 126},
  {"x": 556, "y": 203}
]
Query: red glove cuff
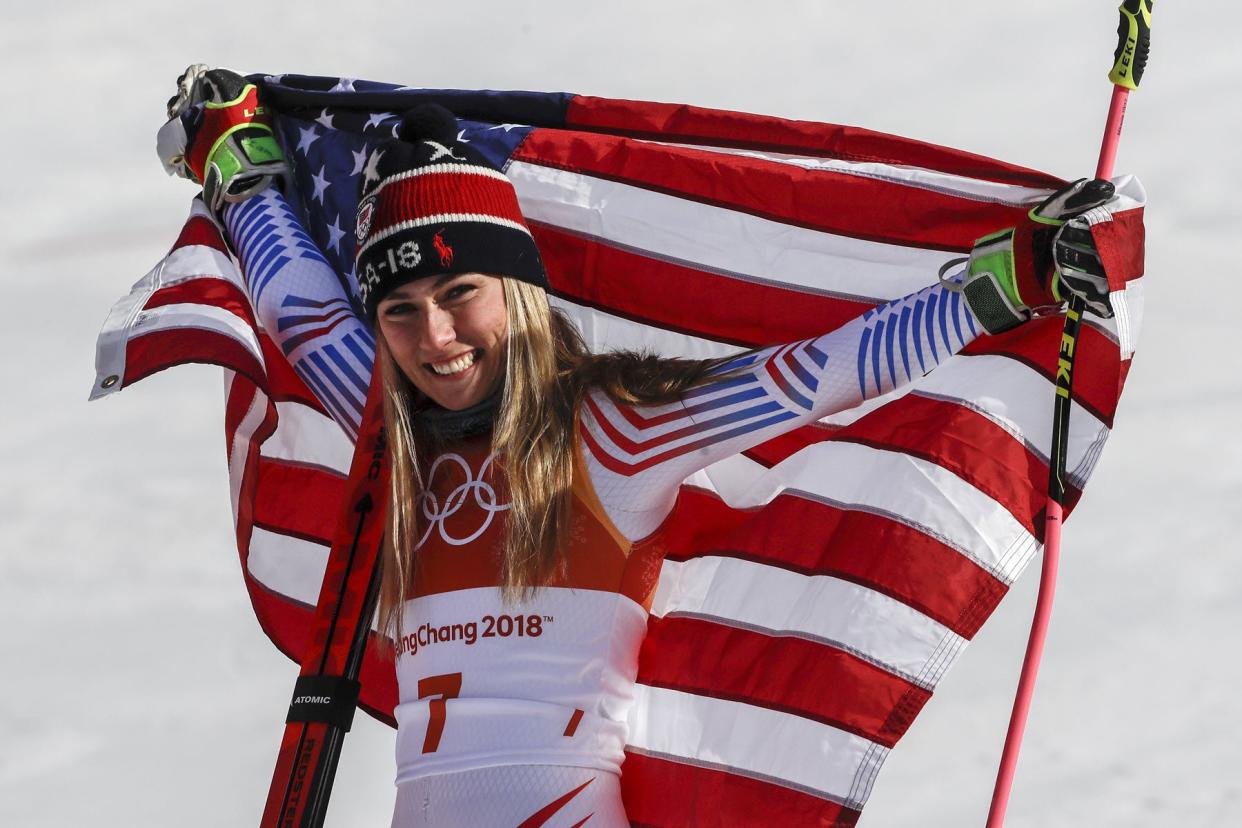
[{"x": 219, "y": 120}]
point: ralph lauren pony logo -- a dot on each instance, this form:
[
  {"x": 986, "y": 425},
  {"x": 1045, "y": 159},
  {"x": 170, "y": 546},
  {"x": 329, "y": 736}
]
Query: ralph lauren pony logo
[{"x": 442, "y": 247}]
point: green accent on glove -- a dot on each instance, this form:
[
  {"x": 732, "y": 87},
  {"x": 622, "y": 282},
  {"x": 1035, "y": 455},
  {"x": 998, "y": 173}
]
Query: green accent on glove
[
  {"x": 1038, "y": 219},
  {"x": 262, "y": 149},
  {"x": 993, "y": 254},
  {"x": 241, "y": 163},
  {"x": 226, "y": 164},
  {"x": 222, "y": 145},
  {"x": 226, "y": 104},
  {"x": 991, "y": 285}
]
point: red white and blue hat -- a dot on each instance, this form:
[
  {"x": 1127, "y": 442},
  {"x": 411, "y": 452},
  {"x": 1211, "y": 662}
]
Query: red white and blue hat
[{"x": 431, "y": 205}]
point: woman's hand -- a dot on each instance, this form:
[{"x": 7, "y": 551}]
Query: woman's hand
[
  {"x": 219, "y": 135},
  {"x": 1041, "y": 262}
]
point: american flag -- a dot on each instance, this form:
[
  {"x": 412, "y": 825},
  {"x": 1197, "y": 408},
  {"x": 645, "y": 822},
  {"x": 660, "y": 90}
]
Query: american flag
[{"x": 819, "y": 585}]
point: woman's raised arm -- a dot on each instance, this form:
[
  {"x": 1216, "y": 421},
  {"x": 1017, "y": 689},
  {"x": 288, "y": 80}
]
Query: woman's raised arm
[
  {"x": 219, "y": 135},
  {"x": 638, "y": 456}
]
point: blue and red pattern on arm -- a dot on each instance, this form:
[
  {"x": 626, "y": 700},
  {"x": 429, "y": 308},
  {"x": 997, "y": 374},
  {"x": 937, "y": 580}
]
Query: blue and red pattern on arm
[
  {"x": 639, "y": 455},
  {"x": 301, "y": 302}
]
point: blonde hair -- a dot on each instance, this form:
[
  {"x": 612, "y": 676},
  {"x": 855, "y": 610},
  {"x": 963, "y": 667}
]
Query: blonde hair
[{"x": 548, "y": 370}]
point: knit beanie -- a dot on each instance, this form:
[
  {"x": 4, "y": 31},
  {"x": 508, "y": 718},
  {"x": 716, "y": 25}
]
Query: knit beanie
[{"x": 432, "y": 206}]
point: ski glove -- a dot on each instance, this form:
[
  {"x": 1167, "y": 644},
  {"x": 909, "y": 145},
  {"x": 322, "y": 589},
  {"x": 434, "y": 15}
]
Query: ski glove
[
  {"x": 220, "y": 136},
  {"x": 1020, "y": 270}
]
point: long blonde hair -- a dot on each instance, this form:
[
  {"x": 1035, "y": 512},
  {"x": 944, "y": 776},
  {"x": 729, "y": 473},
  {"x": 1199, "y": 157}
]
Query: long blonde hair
[{"x": 548, "y": 370}]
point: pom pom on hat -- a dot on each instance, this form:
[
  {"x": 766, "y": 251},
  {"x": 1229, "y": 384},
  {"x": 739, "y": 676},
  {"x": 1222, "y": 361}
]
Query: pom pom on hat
[{"x": 428, "y": 122}]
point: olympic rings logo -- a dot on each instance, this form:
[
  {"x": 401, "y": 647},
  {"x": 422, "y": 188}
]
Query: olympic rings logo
[{"x": 482, "y": 491}]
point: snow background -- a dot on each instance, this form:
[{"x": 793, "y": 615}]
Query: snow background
[{"x": 136, "y": 687}]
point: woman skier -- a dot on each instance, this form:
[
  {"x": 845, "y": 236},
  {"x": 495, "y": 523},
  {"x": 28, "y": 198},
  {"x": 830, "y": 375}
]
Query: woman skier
[{"x": 531, "y": 479}]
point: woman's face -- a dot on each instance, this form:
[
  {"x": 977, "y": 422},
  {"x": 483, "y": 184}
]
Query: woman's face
[{"x": 448, "y": 335}]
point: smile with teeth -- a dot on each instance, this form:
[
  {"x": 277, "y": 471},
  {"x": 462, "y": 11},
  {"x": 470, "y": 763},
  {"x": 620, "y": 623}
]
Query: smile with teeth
[{"x": 456, "y": 365}]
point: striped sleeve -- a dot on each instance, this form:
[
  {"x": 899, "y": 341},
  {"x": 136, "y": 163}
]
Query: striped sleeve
[
  {"x": 303, "y": 306},
  {"x": 639, "y": 455}
]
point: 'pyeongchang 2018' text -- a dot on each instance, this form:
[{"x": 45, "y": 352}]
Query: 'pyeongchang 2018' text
[{"x": 469, "y": 632}]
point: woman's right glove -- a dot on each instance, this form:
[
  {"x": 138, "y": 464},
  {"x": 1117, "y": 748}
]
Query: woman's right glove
[
  {"x": 220, "y": 136},
  {"x": 1036, "y": 265}
]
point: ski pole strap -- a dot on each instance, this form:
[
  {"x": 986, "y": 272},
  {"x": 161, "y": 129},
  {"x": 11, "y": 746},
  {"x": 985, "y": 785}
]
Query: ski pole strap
[{"x": 327, "y": 699}]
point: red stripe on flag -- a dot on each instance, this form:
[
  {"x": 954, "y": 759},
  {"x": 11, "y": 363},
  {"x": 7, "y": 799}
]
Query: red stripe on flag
[
  {"x": 298, "y": 500},
  {"x": 216, "y": 292},
  {"x": 201, "y": 231},
  {"x": 285, "y": 621},
  {"x": 283, "y": 384},
  {"x": 792, "y": 675},
  {"x": 637, "y": 288},
  {"x": 1121, "y": 244},
  {"x": 287, "y": 624},
  {"x": 149, "y": 353},
  {"x": 968, "y": 444},
  {"x": 864, "y": 548},
  {"x": 662, "y": 794},
  {"x": 838, "y": 203},
  {"x": 653, "y": 291},
  {"x": 237, "y": 404},
  {"x": 950, "y": 435},
  {"x": 241, "y": 395},
  {"x": 692, "y": 124},
  {"x": 1037, "y": 343}
]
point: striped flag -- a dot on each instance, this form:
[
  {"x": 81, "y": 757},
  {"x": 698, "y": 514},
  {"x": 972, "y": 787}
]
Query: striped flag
[{"x": 819, "y": 585}]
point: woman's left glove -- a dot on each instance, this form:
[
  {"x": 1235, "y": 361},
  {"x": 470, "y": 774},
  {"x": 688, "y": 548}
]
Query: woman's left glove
[
  {"x": 1042, "y": 261},
  {"x": 219, "y": 135}
]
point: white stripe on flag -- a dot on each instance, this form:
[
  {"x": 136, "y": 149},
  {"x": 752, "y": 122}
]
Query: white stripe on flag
[
  {"x": 198, "y": 261},
  {"x": 240, "y": 450},
  {"x": 753, "y": 741},
  {"x": 198, "y": 317},
  {"x": 721, "y": 240},
  {"x": 1018, "y": 399},
  {"x": 1128, "y": 305},
  {"x": 607, "y": 332},
  {"x": 184, "y": 263},
  {"x": 958, "y": 186},
  {"x": 912, "y": 491},
  {"x": 820, "y": 608},
  {"x": 305, "y": 436},
  {"x": 287, "y": 565}
]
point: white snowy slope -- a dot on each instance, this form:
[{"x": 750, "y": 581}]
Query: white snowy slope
[{"x": 135, "y": 686}]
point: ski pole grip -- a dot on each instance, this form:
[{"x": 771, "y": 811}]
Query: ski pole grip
[{"x": 1133, "y": 41}]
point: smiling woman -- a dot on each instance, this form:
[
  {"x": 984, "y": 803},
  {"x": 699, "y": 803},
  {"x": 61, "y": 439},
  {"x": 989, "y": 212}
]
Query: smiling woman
[
  {"x": 532, "y": 481},
  {"x": 448, "y": 336}
]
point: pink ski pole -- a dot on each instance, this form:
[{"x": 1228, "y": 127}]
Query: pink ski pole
[{"x": 1129, "y": 59}]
